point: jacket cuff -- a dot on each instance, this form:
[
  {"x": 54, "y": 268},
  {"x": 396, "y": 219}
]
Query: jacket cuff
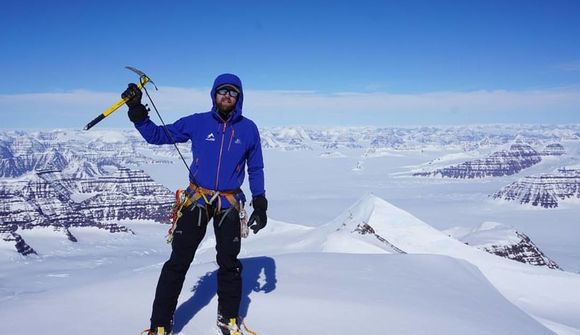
[
  {"x": 260, "y": 202},
  {"x": 142, "y": 123}
]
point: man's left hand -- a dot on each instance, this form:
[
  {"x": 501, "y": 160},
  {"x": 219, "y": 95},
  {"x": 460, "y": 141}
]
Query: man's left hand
[{"x": 258, "y": 219}]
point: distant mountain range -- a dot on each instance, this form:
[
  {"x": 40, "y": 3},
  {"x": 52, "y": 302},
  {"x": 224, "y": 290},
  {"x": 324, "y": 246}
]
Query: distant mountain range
[
  {"x": 465, "y": 138},
  {"x": 23, "y": 152},
  {"x": 70, "y": 178},
  {"x": 27, "y": 151}
]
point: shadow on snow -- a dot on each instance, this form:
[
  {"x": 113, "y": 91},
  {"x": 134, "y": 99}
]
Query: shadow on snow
[{"x": 206, "y": 288}]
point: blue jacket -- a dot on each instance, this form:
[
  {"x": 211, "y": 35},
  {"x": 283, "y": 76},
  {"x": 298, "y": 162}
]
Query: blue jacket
[{"x": 221, "y": 148}]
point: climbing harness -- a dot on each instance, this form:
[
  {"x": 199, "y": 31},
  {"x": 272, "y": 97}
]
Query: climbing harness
[{"x": 190, "y": 198}]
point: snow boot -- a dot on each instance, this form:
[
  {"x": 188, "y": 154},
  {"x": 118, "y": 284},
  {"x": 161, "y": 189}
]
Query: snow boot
[
  {"x": 228, "y": 327},
  {"x": 233, "y": 326},
  {"x": 156, "y": 331}
]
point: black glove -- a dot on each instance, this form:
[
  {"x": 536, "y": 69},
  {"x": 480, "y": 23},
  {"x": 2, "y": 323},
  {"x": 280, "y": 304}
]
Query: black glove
[
  {"x": 258, "y": 219},
  {"x": 137, "y": 112}
]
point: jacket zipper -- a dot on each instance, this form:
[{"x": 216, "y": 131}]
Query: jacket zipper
[
  {"x": 231, "y": 138},
  {"x": 220, "y": 157}
]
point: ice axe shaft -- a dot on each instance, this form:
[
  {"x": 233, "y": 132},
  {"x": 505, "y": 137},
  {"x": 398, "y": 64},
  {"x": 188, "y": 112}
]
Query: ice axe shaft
[{"x": 143, "y": 79}]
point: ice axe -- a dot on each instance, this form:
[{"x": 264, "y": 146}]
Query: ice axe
[{"x": 143, "y": 79}]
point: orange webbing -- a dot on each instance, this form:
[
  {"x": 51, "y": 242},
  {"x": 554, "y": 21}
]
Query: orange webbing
[{"x": 201, "y": 192}]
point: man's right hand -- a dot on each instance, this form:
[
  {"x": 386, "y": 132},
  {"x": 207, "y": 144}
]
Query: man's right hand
[{"x": 137, "y": 112}]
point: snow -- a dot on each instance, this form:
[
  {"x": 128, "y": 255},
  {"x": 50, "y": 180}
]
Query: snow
[
  {"x": 489, "y": 234},
  {"x": 560, "y": 304},
  {"x": 319, "y": 273},
  {"x": 332, "y": 154},
  {"x": 106, "y": 136},
  {"x": 380, "y": 152},
  {"x": 294, "y": 292},
  {"x": 80, "y": 197},
  {"x": 307, "y": 271}
]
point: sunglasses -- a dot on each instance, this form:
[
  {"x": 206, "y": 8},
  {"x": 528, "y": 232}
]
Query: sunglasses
[{"x": 231, "y": 92}]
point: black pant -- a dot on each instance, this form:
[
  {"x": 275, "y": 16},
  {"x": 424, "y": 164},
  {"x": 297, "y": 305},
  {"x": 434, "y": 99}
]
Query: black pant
[{"x": 191, "y": 228}]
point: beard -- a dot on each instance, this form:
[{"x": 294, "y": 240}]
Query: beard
[{"x": 225, "y": 108}]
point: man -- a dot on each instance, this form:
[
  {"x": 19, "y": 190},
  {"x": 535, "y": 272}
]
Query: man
[{"x": 222, "y": 143}]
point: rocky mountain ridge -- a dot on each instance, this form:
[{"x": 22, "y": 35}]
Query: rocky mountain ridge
[
  {"x": 373, "y": 225},
  {"x": 60, "y": 180},
  {"x": 50, "y": 198},
  {"x": 500, "y": 163},
  {"x": 543, "y": 190},
  {"x": 504, "y": 241}
]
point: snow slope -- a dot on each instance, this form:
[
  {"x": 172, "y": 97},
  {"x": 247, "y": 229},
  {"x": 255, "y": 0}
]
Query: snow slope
[
  {"x": 543, "y": 293},
  {"x": 308, "y": 293},
  {"x": 330, "y": 279}
]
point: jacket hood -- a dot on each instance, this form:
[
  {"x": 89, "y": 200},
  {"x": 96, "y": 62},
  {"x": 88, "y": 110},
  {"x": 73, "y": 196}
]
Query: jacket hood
[{"x": 231, "y": 79}]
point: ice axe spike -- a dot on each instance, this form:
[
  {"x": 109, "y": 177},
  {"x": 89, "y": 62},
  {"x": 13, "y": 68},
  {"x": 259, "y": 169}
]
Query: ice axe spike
[{"x": 143, "y": 79}]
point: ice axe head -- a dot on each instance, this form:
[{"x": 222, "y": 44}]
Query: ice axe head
[{"x": 143, "y": 78}]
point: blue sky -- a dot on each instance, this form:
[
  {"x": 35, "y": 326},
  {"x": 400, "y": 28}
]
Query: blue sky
[{"x": 302, "y": 62}]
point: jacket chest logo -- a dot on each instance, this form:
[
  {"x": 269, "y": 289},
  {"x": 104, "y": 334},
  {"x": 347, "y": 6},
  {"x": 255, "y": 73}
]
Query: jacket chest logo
[{"x": 210, "y": 137}]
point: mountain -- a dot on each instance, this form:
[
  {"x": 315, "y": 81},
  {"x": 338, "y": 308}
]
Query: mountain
[
  {"x": 500, "y": 163},
  {"x": 321, "y": 293},
  {"x": 24, "y": 152},
  {"x": 50, "y": 198},
  {"x": 288, "y": 139},
  {"x": 504, "y": 241},
  {"x": 374, "y": 226},
  {"x": 373, "y": 262},
  {"x": 66, "y": 178},
  {"x": 126, "y": 194},
  {"x": 126, "y": 147},
  {"x": 553, "y": 149},
  {"x": 18, "y": 165},
  {"x": 464, "y": 138},
  {"x": 12, "y": 239},
  {"x": 375, "y": 268},
  {"x": 543, "y": 190}
]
